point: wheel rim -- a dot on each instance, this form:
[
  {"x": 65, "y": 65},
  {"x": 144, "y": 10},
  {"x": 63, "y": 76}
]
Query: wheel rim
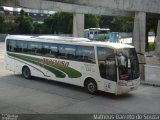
[
  {"x": 91, "y": 87},
  {"x": 26, "y": 73}
]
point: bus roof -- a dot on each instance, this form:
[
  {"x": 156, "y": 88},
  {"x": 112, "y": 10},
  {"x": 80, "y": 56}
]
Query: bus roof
[
  {"x": 97, "y": 29},
  {"x": 69, "y": 40}
]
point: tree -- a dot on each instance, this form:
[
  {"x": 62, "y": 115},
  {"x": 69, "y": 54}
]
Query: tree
[
  {"x": 1, "y": 24},
  {"x": 25, "y": 23},
  {"x": 91, "y": 21},
  {"x": 3, "y": 1},
  {"x": 106, "y": 22},
  {"x": 117, "y": 24},
  {"x": 60, "y": 23},
  {"x": 151, "y": 26},
  {"x": 37, "y": 28}
]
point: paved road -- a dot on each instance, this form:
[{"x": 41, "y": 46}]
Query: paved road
[{"x": 18, "y": 95}]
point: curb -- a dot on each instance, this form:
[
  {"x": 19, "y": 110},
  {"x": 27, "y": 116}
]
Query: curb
[{"x": 150, "y": 83}]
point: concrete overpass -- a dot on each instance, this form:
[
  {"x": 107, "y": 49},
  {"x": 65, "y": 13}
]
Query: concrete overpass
[
  {"x": 78, "y": 10},
  {"x": 66, "y": 7},
  {"x": 151, "y": 6},
  {"x": 136, "y": 8}
]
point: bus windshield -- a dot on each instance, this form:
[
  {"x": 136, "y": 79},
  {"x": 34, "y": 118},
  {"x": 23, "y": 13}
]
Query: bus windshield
[{"x": 127, "y": 64}]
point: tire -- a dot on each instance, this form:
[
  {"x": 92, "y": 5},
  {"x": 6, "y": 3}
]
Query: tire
[
  {"x": 26, "y": 73},
  {"x": 91, "y": 86}
]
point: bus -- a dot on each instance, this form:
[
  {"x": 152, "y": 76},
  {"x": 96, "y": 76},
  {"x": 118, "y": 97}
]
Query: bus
[
  {"x": 94, "y": 65},
  {"x": 101, "y": 34},
  {"x": 114, "y": 37}
]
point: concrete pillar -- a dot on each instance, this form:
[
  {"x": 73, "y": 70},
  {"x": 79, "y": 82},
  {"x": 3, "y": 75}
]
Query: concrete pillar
[
  {"x": 78, "y": 25},
  {"x": 139, "y": 36},
  {"x": 157, "y": 51}
]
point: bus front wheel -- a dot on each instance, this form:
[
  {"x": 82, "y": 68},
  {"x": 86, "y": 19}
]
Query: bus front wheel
[
  {"x": 91, "y": 86},
  {"x": 26, "y": 72}
]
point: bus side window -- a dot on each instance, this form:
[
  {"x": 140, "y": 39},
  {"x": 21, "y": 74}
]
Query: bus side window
[
  {"x": 67, "y": 52},
  {"x": 85, "y": 54},
  {"x": 21, "y": 46},
  {"x": 53, "y": 50},
  {"x": 49, "y": 50},
  {"x": 35, "y": 48},
  {"x": 45, "y": 49},
  {"x": 107, "y": 64},
  {"x": 8, "y": 46},
  {"x": 62, "y": 54},
  {"x": 11, "y": 45}
]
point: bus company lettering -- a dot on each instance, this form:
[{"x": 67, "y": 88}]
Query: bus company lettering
[{"x": 55, "y": 62}]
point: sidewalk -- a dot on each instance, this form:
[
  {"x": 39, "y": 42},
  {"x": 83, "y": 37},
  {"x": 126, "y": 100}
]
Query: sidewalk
[
  {"x": 151, "y": 82},
  {"x": 152, "y": 70}
]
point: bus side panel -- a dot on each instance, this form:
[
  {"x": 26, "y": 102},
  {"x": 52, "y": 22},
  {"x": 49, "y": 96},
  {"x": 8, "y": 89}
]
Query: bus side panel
[
  {"x": 36, "y": 71},
  {"x": 18, "y": 66},
  {"x": 110, "y": 86},
  {"x": 90, "y": 71},
  {"x": 73, "y": 78},
  {"x": 10, "y": 63}
]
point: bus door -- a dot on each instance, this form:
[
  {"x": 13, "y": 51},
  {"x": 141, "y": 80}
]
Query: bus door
[
  {"x": 107, "y": 68},
  {"x": 128, "y": 65}
]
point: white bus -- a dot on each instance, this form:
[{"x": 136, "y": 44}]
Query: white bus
[{"x": 108, "y": 67}]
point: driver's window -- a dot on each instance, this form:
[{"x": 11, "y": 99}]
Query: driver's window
[{"x": 107, "y": 64}]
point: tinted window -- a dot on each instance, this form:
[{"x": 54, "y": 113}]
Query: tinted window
[
  {"x": 11, "y": 45},
  {"x": 46, "y": 49},
  {"x": 62, "y": 51},
  {"x": 8, "y": 45},
  {"x": 34, "y": 48},
  {"x": 127, "y": 64},
  {"x": 85, "y": 54},
  {"x": 49, "y": 50},
  {"x": 67, "y": 52},
  {"x": 107, "y": 64},
  {"x": 21, "y": 46},
  {"x": 53, "y": 50}
]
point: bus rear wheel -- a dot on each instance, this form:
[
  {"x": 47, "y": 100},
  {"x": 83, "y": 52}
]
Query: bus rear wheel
[
  {"x": 26, "y": 72},
  {"x": 91, "y": 86}
]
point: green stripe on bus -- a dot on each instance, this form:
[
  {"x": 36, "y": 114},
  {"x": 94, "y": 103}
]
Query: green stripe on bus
[
  {"x": 36, "y": 61},
  {"x": 72, "y": 73}
]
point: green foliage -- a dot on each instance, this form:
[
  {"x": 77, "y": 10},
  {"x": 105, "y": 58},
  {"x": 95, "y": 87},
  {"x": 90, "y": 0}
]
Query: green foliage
[
  {"x": 10, "y": 28},
  {"x": 91, "y": 21},
  {"x": 59, "y": 23},
  {"x": 151, "y": 46},
  {"x": 25, "y": 23},
  {"x": 37, "y": 28},
  {"x": 1, "y": 24},
  {"x": 117, "y": 24},
  {"x": 103, "y": 38},
  {"x": 151, "y": 24},
  {"x": 3, "y": 1},
  {"x": 62, "y": 23}
]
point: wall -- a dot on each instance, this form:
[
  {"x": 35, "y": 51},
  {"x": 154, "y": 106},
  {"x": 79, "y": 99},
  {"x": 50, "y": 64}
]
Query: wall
[
  {"x": 2, "y": 37},
  {"x": 152, "y": 73}
]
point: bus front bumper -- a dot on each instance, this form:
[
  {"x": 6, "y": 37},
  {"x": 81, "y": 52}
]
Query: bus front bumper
[{"x": 127, "y": 87}]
